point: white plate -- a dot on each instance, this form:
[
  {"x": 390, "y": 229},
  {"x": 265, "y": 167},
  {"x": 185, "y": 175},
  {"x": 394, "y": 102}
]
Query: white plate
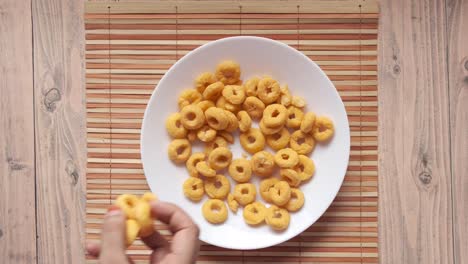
[{"x": 257, "y": 56}]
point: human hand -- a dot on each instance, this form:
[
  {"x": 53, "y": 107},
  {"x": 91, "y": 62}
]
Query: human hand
[{"x": 183, "y": 248}]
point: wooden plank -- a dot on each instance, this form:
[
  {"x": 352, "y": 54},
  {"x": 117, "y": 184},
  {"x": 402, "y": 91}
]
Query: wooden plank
[
  {"x": 58, "y": 34},
  {"x": 229, "y": 6},
  {"x": 415, "y": 216},
  {"x": 17, "y": 168},
  {"x": 457, "y": 19}
]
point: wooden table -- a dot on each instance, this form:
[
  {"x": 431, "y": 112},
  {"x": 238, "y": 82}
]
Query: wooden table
[{"x": 423, "y": 131}]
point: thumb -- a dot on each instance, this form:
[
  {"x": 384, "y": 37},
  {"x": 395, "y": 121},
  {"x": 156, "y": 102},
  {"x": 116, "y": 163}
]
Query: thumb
[{"x": 113, "y": 238}]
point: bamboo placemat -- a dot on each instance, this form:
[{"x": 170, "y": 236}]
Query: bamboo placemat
[{"x": 130, "y": 45}]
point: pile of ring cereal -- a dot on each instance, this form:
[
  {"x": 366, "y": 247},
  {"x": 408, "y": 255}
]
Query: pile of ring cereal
[{"x": 220, "y": 104}]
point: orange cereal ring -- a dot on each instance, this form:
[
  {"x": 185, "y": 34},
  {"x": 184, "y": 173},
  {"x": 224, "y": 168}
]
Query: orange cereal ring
[
  {"x": 228, "y": 72},
  {"x": 179, "y": 150},
  {"x": 305, "y": 168},
  {"x": 240, "y": 170},
  {"x": 127, "y": 203},
  {"x": 307, "y": 122},
  {"x": 192, "y": 135},
  {"x": 192, "y": 161},
  {"x": 265, "y": 186},
  {"x": 254, "y": 213},
  {"x": 275, "y": 115},
  {"x": 278, "y": 140},
  {"x": 188, "y": 97},
  {"x": 193, "y": 188},
  {"x": 254, "y": 107},
  {"x": 214, "y": 211},
  {"x": 143, "y": 217},
  {"x": 227, "y": 136},
  {"x": 233, "y": 123},
  {"x": 216, "y": 143},
  {"x": 203, "y": 80},
  {"x": 323, "y": 129},
  {"x": 263, "y": 163},
  {"x": 213, "y": 91},
  {"x": 268, "y": 90},
  {"x": 280, "y": 193},
  {"x": 298, "y": 101},
  {"x": 296, "y": 202},
  {"x": 192, "y": 117},
  {"x": 131, "y": 229},
  {"x": 222, "y": 103},
  {"x": 295, "y": 116},
  {"x": 286, "y": 158},
  {"x": 245, "y": 193},
  {"x": 206, "y": 134},
  {"x": 285, "y": 100},
  {"x": 245, "y": 122},
  {"x": 174, "y": 126},
  {"x": 217, "y": 187},
  {"x": 252, "y": 141},
  {"x": 232, "y": 203},
  {"x": 251, "y": 86},
  {"x": 277, "y": 218},
  {"x": 216, "y": 118},
  {"x": 290, "y": 176},
  {"x": 269, "y": 130},
  {"x": 220, "y": 158},
  {"x": 204, "y": 169},
  {"x": 205, "y": 104},
  {"x": 302, "y": 143},
  {"x": 234, "y": 94}
]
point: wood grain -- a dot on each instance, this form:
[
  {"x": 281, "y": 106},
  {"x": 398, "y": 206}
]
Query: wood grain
[
  {"x": 415, "y": 216},
  {"x": 58, "y": 34},
  {"x": 17, "y": 168},
  {"x": 457, "y": 20}
]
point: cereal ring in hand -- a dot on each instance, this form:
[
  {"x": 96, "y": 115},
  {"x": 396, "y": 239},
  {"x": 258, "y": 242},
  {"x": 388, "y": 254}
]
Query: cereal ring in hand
[
  {"x": 228, "y": 72},
  {"x": 286, "y": 158},
  {"x": 216, "y": 118},
  {"x": 305, "y": 168},
  {"x": 213, "y": 91},
  {"x": 179, "y": 150},
  {"x": 295, "y": 116},
  {"x": 205, "y": 170},
  {"x": 277, "y": 218},
  {"x": 298, "y": 101},
  {"x": 302, "y": 143},
  {"x": 263, "y": 163},
  {"x": 227, "y": 136},
  {"x": 206, "y": 134},
  {"x": 220, "y": 158},
  {"x": 245, "y": 122},
  {"x": 268, "y": 90},
  {"x": 234, "y": 94},
  {"x": 188, "y": 97},
  {"x": 275, "y": 115},
  {"x": 143, "y": 217},
  {"x": 240, "y": 170},
  {"x": 254, "y": 107},
  {"x": 232, "y": 203},
  {"x": 245, "y": 193},
  {"x": 214, "y": 211},
  {"x": 265, "y": 186},
  {"x": 308, "y": 122},
  {"x": 192, "y": 117},
  {"x": 193, "y": 188},
  {"x": 280, "y": 193},
  {"x": 252, "y": 141},
  {"x": 174, "y": 126},
  {"x": 254, "y": 213},
  {"x": 127, "y": 203},
  {"x": 216, "y": 143},
  {"x": 132, "y": 229},
  {"x": 203, "y": 80},
  {"x": 233, "y": 123},
  {"x": 251, "y": 86},
  {"x": 222, "y": 103},
  {"x": 205, "y": 104},
  {"x": 269, "y": 130},
  {"x": 290, "y": 176},
  {"x": 217, "y": 187},
  {"x": 149, "y": 197},
  {"x": 323, "y": 129},
  {"x": 296, "y": 202},
  {"x": 278, "y": 140}
]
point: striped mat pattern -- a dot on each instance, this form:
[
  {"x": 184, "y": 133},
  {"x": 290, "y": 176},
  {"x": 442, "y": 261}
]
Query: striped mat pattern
[{"x": 129, "y": 47}]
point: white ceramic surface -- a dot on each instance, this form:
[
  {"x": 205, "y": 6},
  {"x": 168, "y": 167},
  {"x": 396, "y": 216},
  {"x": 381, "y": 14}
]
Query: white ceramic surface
[{"x": 257, "y": 56}]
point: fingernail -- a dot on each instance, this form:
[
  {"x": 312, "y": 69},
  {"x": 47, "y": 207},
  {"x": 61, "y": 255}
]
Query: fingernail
[{"x": 113, "y": 213}]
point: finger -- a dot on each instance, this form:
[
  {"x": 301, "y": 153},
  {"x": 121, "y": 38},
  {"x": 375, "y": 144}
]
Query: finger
[
  {"x": 172, "y": 215},
  {"x": 155, "y": 241},
  {"x": 113, "y": 238},
  {"x": 93, "y": 249}
]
